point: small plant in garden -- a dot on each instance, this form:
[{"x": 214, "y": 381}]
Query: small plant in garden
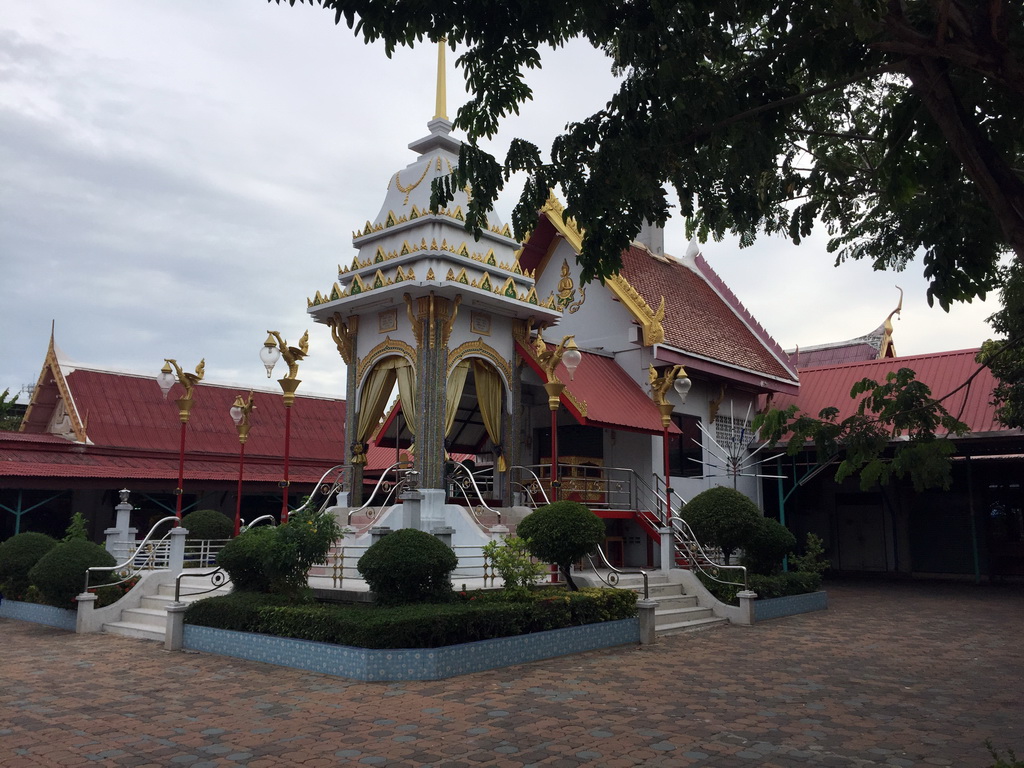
[
  {"x": 265, "y": 559},
  {"x": 562, "y": 533},
  {"x": 409, "y": 566},
  {"x": 813, "y": 559},
  {"x": 723, "y": 518},
  {"x": 77, "y": 528},
  {"x": 513, "y": 562},
  {"x": 17, "y": 556},
  {"x": 59, "y": 575}
]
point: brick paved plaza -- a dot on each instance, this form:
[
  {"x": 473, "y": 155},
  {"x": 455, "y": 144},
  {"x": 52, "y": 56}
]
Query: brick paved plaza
[{"x": 891, "y": 675}]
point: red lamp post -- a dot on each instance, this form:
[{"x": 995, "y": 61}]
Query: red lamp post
[
  {"x": 239, "y": 413},
  {"x": 673, "y": 377},
  {"x": 274, "y": 348},
  {"x": 167, "y": 379},
  {"x": 568, "y": 355}
]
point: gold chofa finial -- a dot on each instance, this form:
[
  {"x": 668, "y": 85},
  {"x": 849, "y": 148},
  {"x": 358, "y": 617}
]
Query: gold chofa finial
[{"x": 441, "y": 109}]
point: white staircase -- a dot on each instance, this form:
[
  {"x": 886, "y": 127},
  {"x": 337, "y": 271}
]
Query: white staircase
[
  {"x": 676, "y": 611},
  {"x": 149, "y": 620}
]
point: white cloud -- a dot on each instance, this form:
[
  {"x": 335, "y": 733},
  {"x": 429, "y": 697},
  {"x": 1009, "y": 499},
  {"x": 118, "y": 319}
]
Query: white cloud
[{"x": 177, "y": 178}]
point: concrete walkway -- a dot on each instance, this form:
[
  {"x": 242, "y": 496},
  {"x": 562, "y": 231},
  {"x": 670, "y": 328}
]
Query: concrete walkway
[{"x": 892, "y": 675}]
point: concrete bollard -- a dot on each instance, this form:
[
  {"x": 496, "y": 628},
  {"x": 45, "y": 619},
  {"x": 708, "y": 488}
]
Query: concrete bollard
[
  {"x": 747, "y": 598},
  {"x": 174, "y": 637},
  {"x": 646, "y": 609},
  {"x": 85, "y": 621}
]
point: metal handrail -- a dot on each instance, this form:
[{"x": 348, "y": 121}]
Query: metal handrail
[
  {"x": 219, "y": 577},
  {"x": 131, "y": 561},
  {"x": 261, "y": 519},
  {"x": 470, "y": 480},
  {"x": 534, "y": 486},
  {"x": 340, "y": 483},
  {"x": 377, "y": 486},
  {"x": 614, "y": 573},
  {"x": 685, "y": 537}
]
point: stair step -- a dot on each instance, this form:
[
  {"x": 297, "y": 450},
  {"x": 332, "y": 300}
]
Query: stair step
[
  {"x": 676, "y": 601},
  {"x": 150, "y": 617},
  {"x": 676, "y": 615},
  {"x": 696, "y": 625},
  {"x": 138, "y": 631}
]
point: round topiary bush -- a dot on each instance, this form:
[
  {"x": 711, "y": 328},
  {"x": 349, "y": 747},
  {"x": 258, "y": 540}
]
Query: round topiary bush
[
  {"x": 247, "y": 559},
  {"x": 59, "y": 575},
  {"x": 561, "y": 533},
  {"x": 408, "y": 566},
  {"x": 208, "y": 524},
  {"x": 723, "y": 518},
  {"x": 768, "y": 545},
  {"x": 17, "y": 556}
]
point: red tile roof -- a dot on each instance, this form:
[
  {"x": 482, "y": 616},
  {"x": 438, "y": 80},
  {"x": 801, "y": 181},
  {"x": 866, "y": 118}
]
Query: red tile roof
[
  {"x": 943, "y": 372},
  {"x": 602, "y": 394},
  {"x": 702, "y": 316},
  {"x": 133, "y": 433}
]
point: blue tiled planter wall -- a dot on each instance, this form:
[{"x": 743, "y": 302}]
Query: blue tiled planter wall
[
  {"x": 410, "y": 663},
  {"x": 61, "y": 618},
  {"x": 777, "y": 607}
]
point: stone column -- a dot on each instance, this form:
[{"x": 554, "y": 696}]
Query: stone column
[{"x": 432, "y": 313}]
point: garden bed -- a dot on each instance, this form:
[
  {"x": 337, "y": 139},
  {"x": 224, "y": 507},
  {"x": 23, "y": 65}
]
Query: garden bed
[
  {"x": 371, "y": 664},
  {"x": 790, "y": 605},
  {"x": 61, "y": 618}
]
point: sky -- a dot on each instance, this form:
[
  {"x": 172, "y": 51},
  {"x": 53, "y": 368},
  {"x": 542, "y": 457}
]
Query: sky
[{"x": 177, "y": 177}]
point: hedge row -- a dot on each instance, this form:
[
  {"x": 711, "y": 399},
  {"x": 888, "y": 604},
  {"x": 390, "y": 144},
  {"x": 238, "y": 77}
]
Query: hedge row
[{"x": 477, "y": 616}]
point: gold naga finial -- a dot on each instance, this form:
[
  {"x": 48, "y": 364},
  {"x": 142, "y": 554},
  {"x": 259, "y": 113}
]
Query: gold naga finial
[
  {"x": 292, "y": 355},
  {"x": 886, "y": 348},
  {"x": 441, "y": 104},
  {"x": 187, "y": 380}
]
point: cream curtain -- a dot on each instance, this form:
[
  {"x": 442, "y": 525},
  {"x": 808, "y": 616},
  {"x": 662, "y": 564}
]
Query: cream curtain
[
  {"x": 453, "y": 394},
  {"x": 407, "y": 393},
  {"x": 377, "y": 391},
  {"x": 488, "y": 396}
]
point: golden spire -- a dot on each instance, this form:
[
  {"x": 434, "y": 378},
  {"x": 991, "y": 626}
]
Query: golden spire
[{"x": 441, "y": 108}]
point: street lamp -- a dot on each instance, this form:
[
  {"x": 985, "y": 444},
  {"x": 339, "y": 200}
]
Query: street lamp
[
  {"x": 274, "y": 348},
  {"x": 568, "y": 355},
  {"x": 166, "y": 379},
  {"x": 676, "y": 378},
  {"x": 239, "y": 413}
]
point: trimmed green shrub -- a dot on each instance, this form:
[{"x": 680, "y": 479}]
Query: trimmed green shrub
[
  {"x": 59, "y": 575},
  {"x": 17, "y": 556},
  {"x": 408, "y": 566},
  {"x": 238, "y": 611},
  {"x": 246, "y": 558},
  {"x": 562, "y": 533},
  {"x": 723, "y": 518},
  {"x": 208, "y": 524},
  {"x": 481, "y": 616},
  {"x": 784, "y": 584},
  {"x": 768, "y": 544}
]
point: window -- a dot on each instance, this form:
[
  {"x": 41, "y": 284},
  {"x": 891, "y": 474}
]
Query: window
[
  {"x": 729, "y": 430},
  {"x": 685, "y": 451}
]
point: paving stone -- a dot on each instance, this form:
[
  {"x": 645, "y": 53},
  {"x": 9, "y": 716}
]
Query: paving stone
[{"x": 905, "y": 675}]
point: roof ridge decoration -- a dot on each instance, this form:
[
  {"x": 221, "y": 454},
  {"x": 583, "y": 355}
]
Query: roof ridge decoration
[
  {"x": 52, "y": 366},
  {"x": 732, "y": 300},
  {"x": 650, "y": 319}
]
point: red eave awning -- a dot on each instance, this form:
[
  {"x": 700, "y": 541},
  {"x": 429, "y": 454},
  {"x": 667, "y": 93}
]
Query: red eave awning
[{"x": 601, "y": 394}]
